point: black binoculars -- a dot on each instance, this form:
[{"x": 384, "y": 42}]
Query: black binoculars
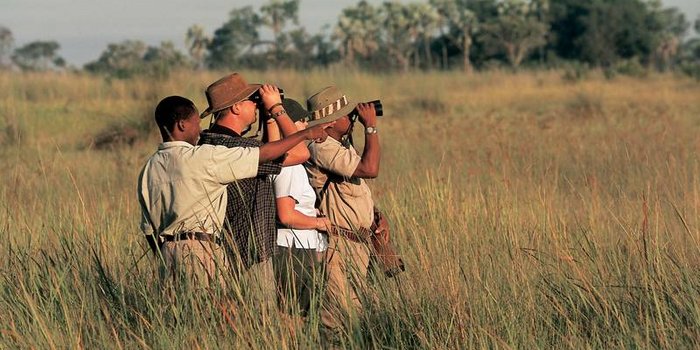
[
  {"x": 257, "y": 98},
  {"x": 377, "y": 109}
]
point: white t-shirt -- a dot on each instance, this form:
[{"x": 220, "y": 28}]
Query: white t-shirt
[{"x": 293, "y": 182}]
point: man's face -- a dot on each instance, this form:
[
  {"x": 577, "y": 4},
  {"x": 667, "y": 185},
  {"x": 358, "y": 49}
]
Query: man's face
[
  {"x": 342, "y": 125},
  {"x": 248, "y": 112}
]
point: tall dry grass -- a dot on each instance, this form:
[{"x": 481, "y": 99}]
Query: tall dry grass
[{"x": 532, "y": 212}]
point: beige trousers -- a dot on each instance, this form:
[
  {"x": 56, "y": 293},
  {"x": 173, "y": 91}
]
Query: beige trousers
[
  {"x": 201, "y": 262},
  {"x": 346, "y": 273}
]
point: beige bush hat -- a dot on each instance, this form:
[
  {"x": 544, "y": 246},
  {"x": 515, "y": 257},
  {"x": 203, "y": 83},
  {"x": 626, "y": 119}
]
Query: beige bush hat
[
  {"x": 226, "y": 91},
  {"x": 329, "y": 104}
]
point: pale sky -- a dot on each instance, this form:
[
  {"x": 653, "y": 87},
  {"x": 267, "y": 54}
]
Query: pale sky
[{"x": 83, "y": 28}]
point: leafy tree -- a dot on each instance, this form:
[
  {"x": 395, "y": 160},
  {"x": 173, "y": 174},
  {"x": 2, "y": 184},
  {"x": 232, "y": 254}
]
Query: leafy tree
[
  {"x": 358, "y": 31},
  {"x": 160, "y": 61},
  {"x": 601, "y": 32},
  {"x": 672, "y": 28},
  {"x": 38, "y": 56},
  {"x": 399, "y": 31},
  {"x": 234, "y": 38},
  {"x": 275, "y": 15},
  {"x": 197, "y": 43},
  {"x": 517, "y": 30},
  {"x": 690, "y": 52},
  {"x": 7, "y": 43},
  {"x": 120, "y": 60},
  {"x": 309, "y": 51},
  {"x": 426, "y": 21},
  {"x": 458, "y": 24},
  {"x": 133, "y": 57}
]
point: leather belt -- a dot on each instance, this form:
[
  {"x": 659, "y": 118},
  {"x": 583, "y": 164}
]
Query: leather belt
[
  {"x": 195, "y": 236},
  {"x": 361, "y": 235}
]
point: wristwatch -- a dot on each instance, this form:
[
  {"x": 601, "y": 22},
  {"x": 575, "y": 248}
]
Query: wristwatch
[{"x": 370, "y": 130}]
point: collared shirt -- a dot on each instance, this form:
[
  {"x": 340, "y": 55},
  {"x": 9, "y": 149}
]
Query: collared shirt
[
  {"x": 293, "y": 182},
  {"x": 344, "y": 199},
  {"x": 183, "y": 187},
  {"x": 250, "y": 212}
]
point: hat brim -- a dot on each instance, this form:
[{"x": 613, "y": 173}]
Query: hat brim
[
  {"x": 335, "y": 115},
  {"x": 233, "y": 100}
]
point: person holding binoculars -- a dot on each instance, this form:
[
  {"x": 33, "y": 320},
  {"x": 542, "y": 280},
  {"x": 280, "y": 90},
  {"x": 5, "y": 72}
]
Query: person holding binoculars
[
  {"x": 250, "y": 211},
  {"x": 337, "y": 173}
]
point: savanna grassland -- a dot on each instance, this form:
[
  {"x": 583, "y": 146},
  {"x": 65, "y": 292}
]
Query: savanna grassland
[{"x": 532, "y": 212}]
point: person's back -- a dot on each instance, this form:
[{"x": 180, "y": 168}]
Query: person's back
[
  {"x": 186, "y": 183},
  {"x": 182, "y": 192}
]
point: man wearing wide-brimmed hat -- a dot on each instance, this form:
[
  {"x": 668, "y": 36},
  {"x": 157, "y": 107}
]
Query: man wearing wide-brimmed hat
[
  {"x": 182, "y": 189},
  {"x": 338, "y": 172},
  {"x": 250, "y": 212}
]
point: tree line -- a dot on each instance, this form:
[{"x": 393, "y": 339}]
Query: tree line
[{"x": 432, "y": 35}]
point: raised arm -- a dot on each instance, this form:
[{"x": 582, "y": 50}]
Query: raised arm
[
  {"x": 274, "y": 150},
  {"x": 369, "y": 164},
  {"x": 297, "y": 155},
  {"x": 272, "y": 102}
]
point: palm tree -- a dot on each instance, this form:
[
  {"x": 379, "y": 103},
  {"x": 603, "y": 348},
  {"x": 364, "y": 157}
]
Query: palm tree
[
  {"x": 357, "y": 30},
  {"x": 459, "y": 24},
  {"x": 276, "y": 14},
  {"x": 7, "y": 43},
  {"x": 197, "y": 43}
]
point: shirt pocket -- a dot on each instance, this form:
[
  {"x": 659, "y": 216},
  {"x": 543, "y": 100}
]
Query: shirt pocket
[{"x": 351, "y": 189}]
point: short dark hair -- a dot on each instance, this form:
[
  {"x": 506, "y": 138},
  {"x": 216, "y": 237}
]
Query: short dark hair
[{"x": 172, "y": 109}]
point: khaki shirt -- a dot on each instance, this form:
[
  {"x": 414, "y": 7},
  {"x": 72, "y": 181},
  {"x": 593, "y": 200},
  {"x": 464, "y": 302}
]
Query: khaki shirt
[
  {"x": 183, "y": 187},
  {"x": 347, "y": 200}
]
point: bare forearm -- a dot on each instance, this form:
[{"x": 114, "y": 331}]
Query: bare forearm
[
  {"x": 369, "y": 165},
  {"x": 297, "y": 155},
  {"x": 276, "y": 149},
  {"x": 272, "y": 132},
  {"x": 297, "y": 220},
  {"x": 285, "y": 124}
]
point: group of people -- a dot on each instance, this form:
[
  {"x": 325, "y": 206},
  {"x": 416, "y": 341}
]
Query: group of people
[{"x": 289, "y": 213}]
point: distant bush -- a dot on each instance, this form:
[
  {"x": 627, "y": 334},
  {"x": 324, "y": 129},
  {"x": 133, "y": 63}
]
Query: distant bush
[
  {"x": 585, "y": 106},
  {"x": 10, "y": 134},
  {"x": 576, "y": 71},
  {"x": 133, "y": 58},
  {"x": 632, "y": 68},
  {"x": 430, "y": 105},
  {"x": 692, "y": 70},
  {"x": 123, "y": 133}
]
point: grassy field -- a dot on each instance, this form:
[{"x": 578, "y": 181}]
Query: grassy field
[{"x": 532, "y": 212}]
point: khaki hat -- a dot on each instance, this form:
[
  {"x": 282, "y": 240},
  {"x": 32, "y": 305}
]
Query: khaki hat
[
  {"x": 329, "y": 104},
  {"x": 226, "y": 91}
]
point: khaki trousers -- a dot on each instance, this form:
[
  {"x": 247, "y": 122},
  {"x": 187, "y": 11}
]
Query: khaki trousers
[
  {"x": 201, "y": 262},
  {"x": 346, "y": 273}
]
